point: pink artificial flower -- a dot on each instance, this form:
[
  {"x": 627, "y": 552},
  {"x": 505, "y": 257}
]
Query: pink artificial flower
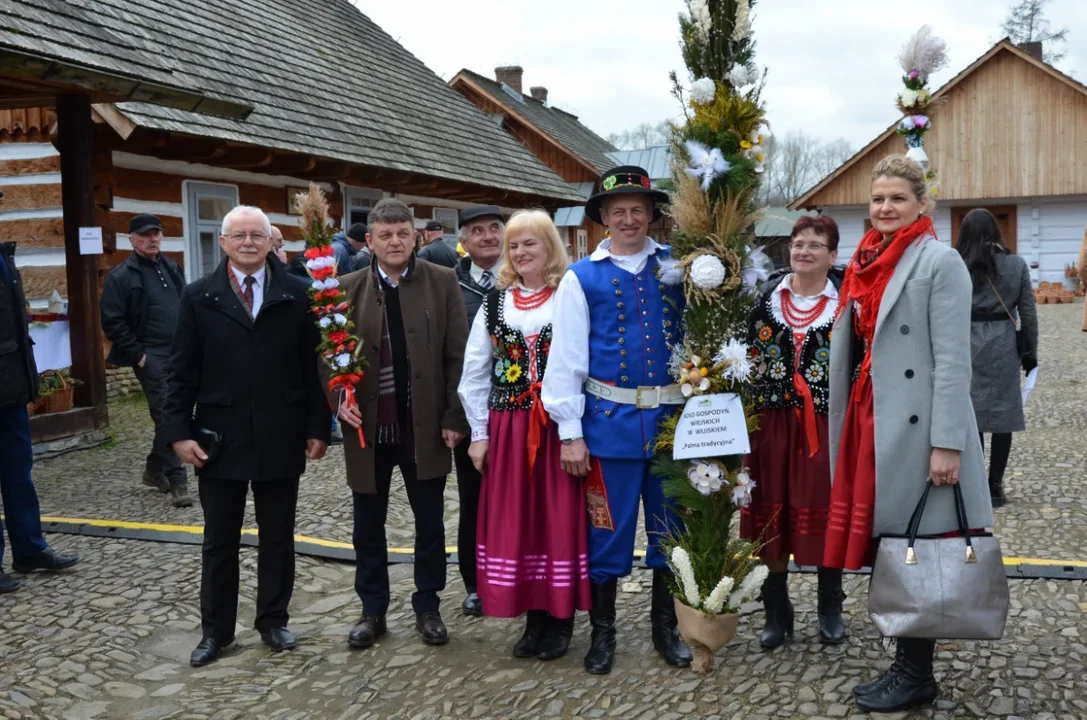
[
  {"x": 914, "y": 74},
  {"x": 920, "y": 121}
]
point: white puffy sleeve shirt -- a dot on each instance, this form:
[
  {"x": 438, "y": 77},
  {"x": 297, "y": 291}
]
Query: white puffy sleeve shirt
[{"x": 475, "y": 380}]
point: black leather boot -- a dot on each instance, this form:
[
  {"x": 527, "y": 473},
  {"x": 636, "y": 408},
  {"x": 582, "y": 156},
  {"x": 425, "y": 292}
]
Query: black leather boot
[
  {"x": 996, "y": 493},
  {"x": 910, "y": 686},
  {"x": 879, "y": 683},
  {"x": 535, "y": 624},
  {"x": 779, "y": 610},
  {"x": 662, "y": 614},
  {"x": 556, "y": 639},
  {"x": 831, "y": 625},
  {"x": 601, "y": 653}
]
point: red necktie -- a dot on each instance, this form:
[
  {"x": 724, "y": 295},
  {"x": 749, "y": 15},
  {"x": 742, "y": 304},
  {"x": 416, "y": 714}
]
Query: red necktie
[{"x": 247, "y": 295}]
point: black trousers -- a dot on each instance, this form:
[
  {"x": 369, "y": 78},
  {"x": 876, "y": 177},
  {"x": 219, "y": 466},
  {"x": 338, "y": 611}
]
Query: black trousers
[
  {"x": 469, "y": 482},
  {"x": 152, "y": 376},
  {"x": 223, "y": 502},
  {"x": 998, "y": 456},
  {"x": 427, "y": 498}
]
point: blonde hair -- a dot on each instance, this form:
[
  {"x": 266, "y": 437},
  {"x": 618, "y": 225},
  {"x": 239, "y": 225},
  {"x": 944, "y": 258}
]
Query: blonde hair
[
  {"x": 900, "y": 166},
  {"x": 539, "y": 224}
]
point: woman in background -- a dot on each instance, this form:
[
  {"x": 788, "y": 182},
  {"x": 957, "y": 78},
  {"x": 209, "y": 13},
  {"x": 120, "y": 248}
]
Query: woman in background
[{"x": 1002, "y": 293}]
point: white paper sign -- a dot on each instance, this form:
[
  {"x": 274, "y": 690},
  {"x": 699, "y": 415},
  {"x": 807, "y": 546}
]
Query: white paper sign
[
  {"x": 712, "y": 425},
  {"x": 1032, "y": 377},
  {"x": 90, "y": 241}
]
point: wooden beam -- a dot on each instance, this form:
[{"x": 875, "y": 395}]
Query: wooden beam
[
  {"x": 294, "y": 165},
  {"x": 243, "y": 158},
  {"x": 328, "y": 170}
]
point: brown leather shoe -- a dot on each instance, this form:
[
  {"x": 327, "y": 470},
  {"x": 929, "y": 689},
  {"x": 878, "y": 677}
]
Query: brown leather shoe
[
  {"x": 431, "y": 627},
  {"x": 368, "y": 630}
]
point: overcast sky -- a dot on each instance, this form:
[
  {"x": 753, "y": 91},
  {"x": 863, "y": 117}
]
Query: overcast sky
[{"x": 832, "y": 70}]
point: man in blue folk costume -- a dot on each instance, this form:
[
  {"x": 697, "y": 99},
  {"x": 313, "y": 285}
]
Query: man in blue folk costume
[{"x": 607, "y": 386}]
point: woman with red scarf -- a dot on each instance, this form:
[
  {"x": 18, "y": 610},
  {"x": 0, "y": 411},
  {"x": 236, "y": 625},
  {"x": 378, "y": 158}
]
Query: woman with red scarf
[
  {"x": 789, "y": 345},
  {"x": 900, "y": 356},
  {"x": 532, "y": 539}
]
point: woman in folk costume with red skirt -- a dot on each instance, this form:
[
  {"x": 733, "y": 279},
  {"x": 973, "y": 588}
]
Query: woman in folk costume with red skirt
[
  {"x": 532, "y": 539},
  {"x": 900, "y": 355},
  {"x": 789, "y": 346}
]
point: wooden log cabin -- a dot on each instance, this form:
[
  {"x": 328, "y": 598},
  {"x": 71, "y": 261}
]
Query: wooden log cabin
[
  {"x": 1009, "y": 134},
  {"x": 555, "y": 136}
]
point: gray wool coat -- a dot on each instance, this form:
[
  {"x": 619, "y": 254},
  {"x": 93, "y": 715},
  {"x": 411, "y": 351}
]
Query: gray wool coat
[
  {"x": 921, "y": 389},
  {"x": 998, "y": 402}
]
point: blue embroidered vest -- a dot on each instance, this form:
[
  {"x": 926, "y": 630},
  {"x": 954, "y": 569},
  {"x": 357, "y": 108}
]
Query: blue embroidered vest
[{"x": 633, "y": 322}]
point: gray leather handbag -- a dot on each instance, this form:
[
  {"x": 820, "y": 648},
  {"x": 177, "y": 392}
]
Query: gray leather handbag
[{"x": 934, "y": 588}]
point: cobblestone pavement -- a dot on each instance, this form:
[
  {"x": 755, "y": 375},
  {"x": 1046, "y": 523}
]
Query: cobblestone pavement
[{"x": 111, "y": 638}]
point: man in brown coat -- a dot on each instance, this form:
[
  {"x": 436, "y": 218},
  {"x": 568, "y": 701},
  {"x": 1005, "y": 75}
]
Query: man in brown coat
[{"x": 410, "y": 319}]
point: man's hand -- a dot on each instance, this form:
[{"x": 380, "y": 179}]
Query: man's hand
[
  {"x": 351, "y": 416},
  {"x": 575, "y": 458},
  {"x": 452, "y": 438},
  {"x": 315, "y": 449},
  {"x": 143, "y": 359},
  {"x": 477, "y": 451},
  {"x": 190, "y": 453},
  {"x": 944, "y": 466}
]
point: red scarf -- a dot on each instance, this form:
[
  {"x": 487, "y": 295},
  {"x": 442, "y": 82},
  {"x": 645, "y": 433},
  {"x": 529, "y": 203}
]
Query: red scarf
[{"x": 868, "y": 274}]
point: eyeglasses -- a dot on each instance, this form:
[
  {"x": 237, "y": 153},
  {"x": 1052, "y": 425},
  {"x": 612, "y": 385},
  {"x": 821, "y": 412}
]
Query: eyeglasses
[
  {"x": 813, "y": 247},
  {"x": 240, "y": 237}
]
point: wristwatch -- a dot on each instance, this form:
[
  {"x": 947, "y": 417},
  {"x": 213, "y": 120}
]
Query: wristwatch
[{"x": 569, "y": 441}]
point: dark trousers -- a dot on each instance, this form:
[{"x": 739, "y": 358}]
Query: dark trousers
[
  {"x": 427, "y": 498},
  {"x": 21, "y": 510},
  {"x": 162, "y": 460},
  {"x": 469, "y": 482},
  {"x": 998, "y": 457},
  {"x": 223, "y": 502}
]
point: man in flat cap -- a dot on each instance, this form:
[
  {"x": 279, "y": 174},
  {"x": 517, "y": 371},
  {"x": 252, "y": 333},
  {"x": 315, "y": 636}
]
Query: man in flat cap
[
  {"x": 436, "y": 249},
  {"x": 140, "y": 302}
]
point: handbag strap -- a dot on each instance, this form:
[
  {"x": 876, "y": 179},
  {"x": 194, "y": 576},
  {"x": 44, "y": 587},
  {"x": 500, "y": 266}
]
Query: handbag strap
[
  {"x": 960, "y": 515},
  {"x": 964, "y": 524},
  {"x": 915, "y": 519},
  {"x": 1001, "y": 300}
]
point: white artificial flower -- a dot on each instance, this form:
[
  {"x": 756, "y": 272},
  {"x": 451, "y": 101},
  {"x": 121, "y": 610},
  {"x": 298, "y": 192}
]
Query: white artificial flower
[
  {"x": 741, "y": 493},
  {"x": 741, "y": 76},
  {"x": 749, "y": 587},
  {"x": 331, "y": 283},
  {"x": 318, "y": 285},
  {"x": 758, "y": 137},
  {"x": 339, "y": 319},
  {"x": 923, "y": 95},
  {"x": 706, "y": 163},
  {"x": 703, "y": 90},
  {"x": 733, "y": 357},
  {"x": 704, "y": 385},
  {"x": 681, "y": 562},
  {"x": 742, "y": 29},
  {"x": 325, "y": 322},
  {"x": 715, "y": 603},
  {"x": 760, "y": 168},
  {"x": 696, "y": 360},
  {"x": 707, "y": 272},
  {"x": 344, "y": 359},
  {"x": 700, "y": 14},
  {"x": 668, "y": 273},
  {"x": 687, "y": 389},
  {"x": 706, "y": 477},
  {"x": 313, "y": 264},
  {"x": 907, "y": 97}
]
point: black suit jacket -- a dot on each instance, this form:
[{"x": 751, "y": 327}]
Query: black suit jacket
[{"x": 253, "y": 382}]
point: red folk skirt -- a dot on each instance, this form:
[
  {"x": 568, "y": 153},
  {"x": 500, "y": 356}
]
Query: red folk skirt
[
  {"x": 792, "y": 490},
  {"x": 849, "y": 542},
  {"x": 532, "y": 549}
]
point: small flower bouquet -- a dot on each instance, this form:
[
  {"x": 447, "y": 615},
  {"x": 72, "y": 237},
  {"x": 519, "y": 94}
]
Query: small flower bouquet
[
  {"x": 340, "y": 349},
  {"x": 923, "y": 55}
]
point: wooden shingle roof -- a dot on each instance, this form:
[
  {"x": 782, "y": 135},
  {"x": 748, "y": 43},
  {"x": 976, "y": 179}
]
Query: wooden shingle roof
[
  {"x": 560, "y": 125},
  {"x": 326, "y": 81}
]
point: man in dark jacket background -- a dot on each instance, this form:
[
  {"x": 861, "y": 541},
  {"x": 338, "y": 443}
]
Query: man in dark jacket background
[
  {"x": 245, "y": 356},
  {"x": 436, "y": 249},
  {"x": 140, "y": 299},
  {"x": 18, "y": 387}
]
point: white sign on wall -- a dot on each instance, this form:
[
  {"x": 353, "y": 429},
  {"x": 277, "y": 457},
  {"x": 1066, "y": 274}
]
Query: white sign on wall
[
  {"x": 90, "y": 241},
  {"x": 711, "y": 426}
]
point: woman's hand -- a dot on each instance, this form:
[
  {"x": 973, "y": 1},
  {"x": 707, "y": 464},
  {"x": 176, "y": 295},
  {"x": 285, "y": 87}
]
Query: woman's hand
[
  {"x": 944, "y": 466},
  {"x": 477, "y": 451}
]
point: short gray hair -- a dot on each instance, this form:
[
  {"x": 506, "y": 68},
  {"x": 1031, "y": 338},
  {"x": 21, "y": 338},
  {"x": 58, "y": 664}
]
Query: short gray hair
[
  {"x": 389, "y": 211},
  {"x": 246, "y": 210}
]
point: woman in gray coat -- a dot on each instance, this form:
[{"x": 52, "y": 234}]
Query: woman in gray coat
[
  {"x": 898, "y": 360},
  {"x": 1002, "y": 293}
]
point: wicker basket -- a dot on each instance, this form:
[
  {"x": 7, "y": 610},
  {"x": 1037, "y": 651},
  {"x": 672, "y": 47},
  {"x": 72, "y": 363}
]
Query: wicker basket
[{"x": 59, "y": 400}]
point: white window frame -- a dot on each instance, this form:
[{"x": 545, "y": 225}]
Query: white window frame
[
  {"x": 582, "y": 243},
  {"x": 444, "y": 215},
  {"x": 192, "y": 223},
  {"x": 367, "y": 198}
]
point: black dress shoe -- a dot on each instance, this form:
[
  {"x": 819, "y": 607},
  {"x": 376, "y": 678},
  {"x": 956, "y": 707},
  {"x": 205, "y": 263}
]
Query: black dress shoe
[
  {"x": 431, "y": 627},
  {"x": 8, "y": 584},
  {"x": 47, "y": 560},
  {"x": 279, "y": 639},
  {"x": 367, "y": 631},
  {"x": 208, "y": 651},
  {"x": 535, "y": 624},
  {"x": 472, "y": 606},
  {"x": 556, "y": 640}
]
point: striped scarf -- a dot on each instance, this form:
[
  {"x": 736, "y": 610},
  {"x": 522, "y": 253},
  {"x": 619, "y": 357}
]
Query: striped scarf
[{"x": 388, "y": 416}]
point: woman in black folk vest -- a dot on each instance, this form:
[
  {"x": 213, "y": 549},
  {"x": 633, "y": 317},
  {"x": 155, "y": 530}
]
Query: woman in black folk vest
[
  {"x": 532, "y": 537},
  {"x": 1002, "y": 293},
  {"x": 789, "y": 346}
]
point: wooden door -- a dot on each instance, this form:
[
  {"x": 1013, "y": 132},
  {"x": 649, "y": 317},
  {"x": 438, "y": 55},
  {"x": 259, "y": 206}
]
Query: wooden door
[{"x": 1006, "y": 218}]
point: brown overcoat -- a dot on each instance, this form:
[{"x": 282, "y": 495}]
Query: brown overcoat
[
  {"x": 1082, "y": 270},
  {"x": 436, "y": 332}
]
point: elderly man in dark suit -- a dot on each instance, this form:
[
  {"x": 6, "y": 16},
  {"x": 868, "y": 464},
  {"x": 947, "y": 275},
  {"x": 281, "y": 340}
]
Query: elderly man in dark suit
[{"x": 245, "y": 356}]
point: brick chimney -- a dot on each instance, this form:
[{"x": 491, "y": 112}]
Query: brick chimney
[
  {"x": 540, "y": 93},
  {"x": 510, "y": 74},
  {"x": 1033, "y": 48}
]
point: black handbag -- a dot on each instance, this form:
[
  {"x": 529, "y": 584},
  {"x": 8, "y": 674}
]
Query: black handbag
[{"x": 1022, "y": 343}]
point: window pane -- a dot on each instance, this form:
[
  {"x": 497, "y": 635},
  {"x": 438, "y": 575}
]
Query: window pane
[
  {"x": 208, "y": 245},
  {"x": 357, "y": 216},
  {"x": 213, "y": 208}
]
